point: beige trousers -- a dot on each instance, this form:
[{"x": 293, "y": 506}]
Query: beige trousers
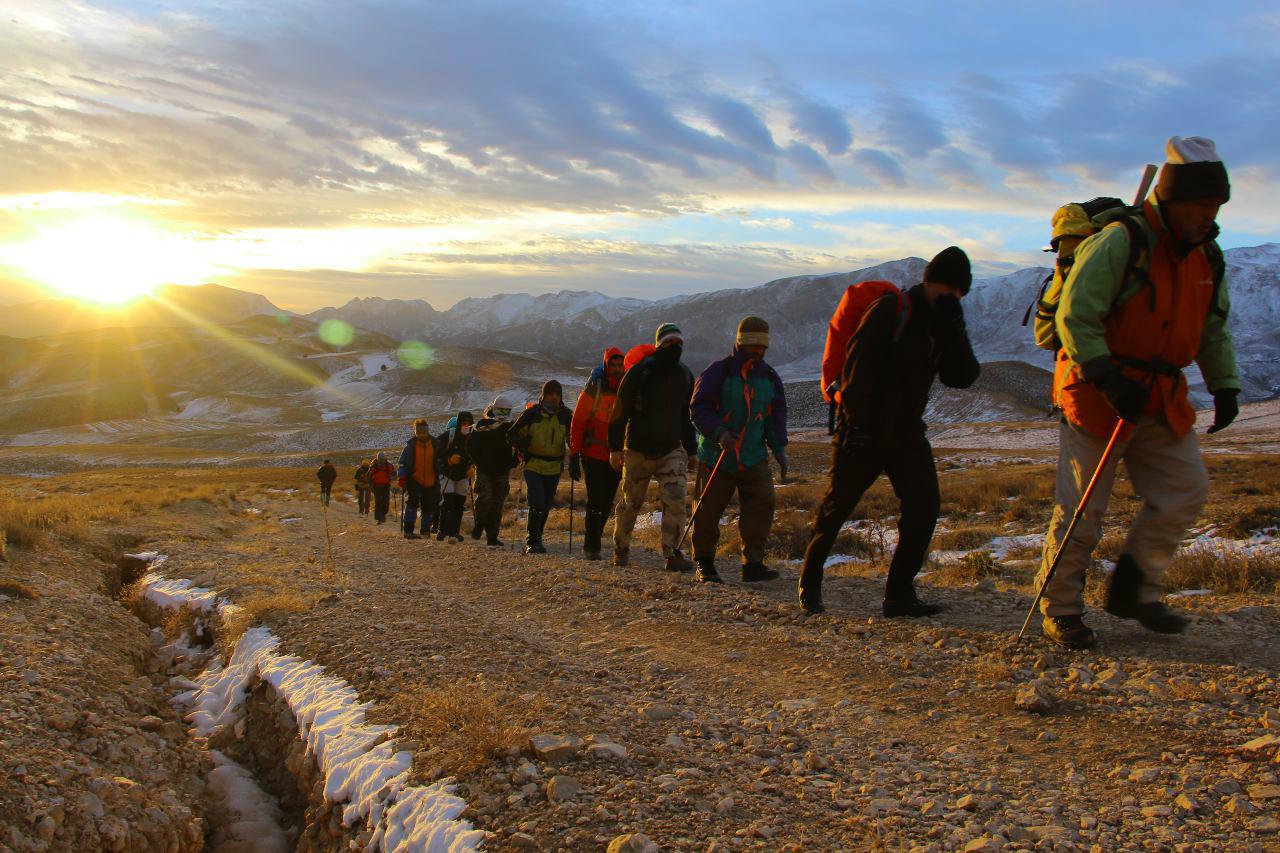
[
  {"x": 670, "y": 472},
  {"x": 1167, "y": 473}
]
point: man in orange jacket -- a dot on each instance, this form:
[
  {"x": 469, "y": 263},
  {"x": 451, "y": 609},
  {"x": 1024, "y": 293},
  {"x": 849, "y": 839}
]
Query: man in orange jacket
[
  {"x": 1125, "y": 339},
  {"x": 589, "y": 447}
]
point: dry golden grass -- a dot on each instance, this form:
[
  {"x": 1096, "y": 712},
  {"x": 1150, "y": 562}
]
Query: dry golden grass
[
  {"x": 257, "y": 607},
  {"x": 466, "y": 724},
  {"x": 1225, "y": 572},
  {"x": 15, "y": 589},
  {"x": 974, "y": 567},
  {"x": 965, "y": 538}
]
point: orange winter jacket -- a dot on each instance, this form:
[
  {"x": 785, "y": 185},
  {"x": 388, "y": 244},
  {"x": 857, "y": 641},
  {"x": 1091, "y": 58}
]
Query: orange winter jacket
[
  {"x": 1167, "y": 320},
  {"x": 589, "y": 430}
]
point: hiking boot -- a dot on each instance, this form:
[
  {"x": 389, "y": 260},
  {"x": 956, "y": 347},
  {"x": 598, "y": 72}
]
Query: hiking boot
[
  {"x": 495, "y": 543},
  {"x": 677, "y": 563},
  {"x": 1122, "y": 592},
  {"x": 706, "y": 572},
  {"x": 622, "y": 558},
  {"x": 476, "y": 533},
  {"x": 535, "y": 548},
  {"x": 1069, "y": 631},
  {"x": 911, "y": 607},
  {"x": 757, "y": 572},
  {"x": 812, "y": 603},
  {"x": 440, "y": 537},
  {"x": 412, "y": 535},
  {"x": 592, "y": 555},
  {"x": 1155, "y": 616}
]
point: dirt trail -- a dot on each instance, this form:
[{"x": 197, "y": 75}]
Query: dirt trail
[{"x": 746, "y": 723}]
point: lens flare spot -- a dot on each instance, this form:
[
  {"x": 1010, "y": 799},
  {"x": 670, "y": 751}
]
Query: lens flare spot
[
  {"x": 336, "y": 333},
  {"x": 415, "y": 355}
]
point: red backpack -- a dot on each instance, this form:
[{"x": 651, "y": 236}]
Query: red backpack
[{"x": 857, "y": 300}]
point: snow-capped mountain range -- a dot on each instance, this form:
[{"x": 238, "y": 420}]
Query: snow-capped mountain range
[{"x": 575, "y": 326}]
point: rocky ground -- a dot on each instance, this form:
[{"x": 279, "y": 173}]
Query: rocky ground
[{"x": 576, "y": 702}]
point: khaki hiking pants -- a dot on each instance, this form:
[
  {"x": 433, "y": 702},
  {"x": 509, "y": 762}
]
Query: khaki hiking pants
[
  {"x": 669, "y": 471},
  {"x": 756, "y": 502},
  {"x": 1167, "y": 473}
]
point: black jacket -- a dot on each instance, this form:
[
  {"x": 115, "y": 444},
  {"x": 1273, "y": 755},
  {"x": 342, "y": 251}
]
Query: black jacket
[
  {"x": 651, "y": 414},
  {"x": 326, "y": 474},
  {"x": 885, "y": 384},
  {"x": 446, "y": 449},
  {"x": 488, "y": 447}
]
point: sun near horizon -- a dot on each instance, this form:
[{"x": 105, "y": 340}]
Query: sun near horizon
[{"x": 106, "y": 258}]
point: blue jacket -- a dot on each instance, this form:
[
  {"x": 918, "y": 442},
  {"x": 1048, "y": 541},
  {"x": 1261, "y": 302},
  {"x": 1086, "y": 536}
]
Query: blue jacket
[
  {"x": 752, "y": 405},
  {"x": 406, "y": 464}
]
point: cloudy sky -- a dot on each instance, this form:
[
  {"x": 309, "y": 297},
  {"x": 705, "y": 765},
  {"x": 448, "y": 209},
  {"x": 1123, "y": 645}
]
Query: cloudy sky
[{"x": 315, "y": 151}]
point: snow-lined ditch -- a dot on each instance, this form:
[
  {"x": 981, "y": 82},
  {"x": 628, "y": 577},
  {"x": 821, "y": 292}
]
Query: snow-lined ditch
[{"x": 362, "y": 772}]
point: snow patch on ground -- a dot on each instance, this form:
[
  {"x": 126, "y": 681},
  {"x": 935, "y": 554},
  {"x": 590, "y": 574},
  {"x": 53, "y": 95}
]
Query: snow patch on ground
[
  {"x": 255, "y": 816},
  {"x": 360, "y": 765},
  {"x": 649, "y": 521}
]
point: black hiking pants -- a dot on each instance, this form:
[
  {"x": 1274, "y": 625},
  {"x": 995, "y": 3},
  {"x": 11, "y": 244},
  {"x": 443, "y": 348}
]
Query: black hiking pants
[
  {"x": 362, "y": 499},
  {"x": 452, "y": 507},
  {"x": 602, "y": 492},
  {"x": 909, "y": 465},
  {"x": 381, "y": 502},
  {"x": 420, "y": 498}
]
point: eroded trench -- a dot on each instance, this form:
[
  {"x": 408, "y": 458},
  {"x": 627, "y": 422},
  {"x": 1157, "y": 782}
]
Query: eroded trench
[{"x": 268, "y": 788}]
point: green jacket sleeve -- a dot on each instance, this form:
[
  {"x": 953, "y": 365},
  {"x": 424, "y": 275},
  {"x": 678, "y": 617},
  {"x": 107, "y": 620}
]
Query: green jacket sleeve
[
  {"x": 1217, "y": 354},
  {"x": 1089, "y": 293}
]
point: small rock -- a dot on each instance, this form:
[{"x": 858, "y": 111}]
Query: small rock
[
  {"x": 1144, "y": 774},
  {"x": 931, "y": 809},
  {"x": 563, "y": 788},
  {"x": 881, "y": 804},
  {"x": 798, "y": 704},
  {"x": 656, "y": 712},
  {"x": 150, "y": 723},
  {"x": 725, "y": 805},
  {"x": 554, "y": 749},
  {"x": 1185, "y": 803},
  {"x": 523, "y": 841},
  {"x": 92, "y": 804},
  {"x": 607, "y": 751},
  {"x": 1261, "y": 744},
  {"x": 1157, "y": 811},
  {"x": 635, "y": 842},
  {"x": 1240, "y": 806},
  {"x": 62, "y": 720},
  {"x": 1265, "y": 826},
  {"x": 968, "y": 802},
  {"x": 983, "y": 844},
  {"x": 1227, "y": 786},
  {"x": 1264, "y": 792},
  {"x": 1035, "y": 697}
]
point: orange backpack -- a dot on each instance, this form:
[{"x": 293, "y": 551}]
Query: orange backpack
[{"x": 857, "y": 301}]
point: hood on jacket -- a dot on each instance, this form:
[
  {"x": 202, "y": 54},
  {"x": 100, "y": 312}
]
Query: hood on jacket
[{"x": 600, "y": 371}]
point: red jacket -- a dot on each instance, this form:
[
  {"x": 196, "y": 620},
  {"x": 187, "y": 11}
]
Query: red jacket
[{"x": 589, "y": 430}]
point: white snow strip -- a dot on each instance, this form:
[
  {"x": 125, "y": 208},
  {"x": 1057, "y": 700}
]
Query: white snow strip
[
  {"x": 1187, "y": 593},
  {"x": 255, "y": 815},
  {"x": 360, "y": 766},
  {"x": 171, "y": 594}
]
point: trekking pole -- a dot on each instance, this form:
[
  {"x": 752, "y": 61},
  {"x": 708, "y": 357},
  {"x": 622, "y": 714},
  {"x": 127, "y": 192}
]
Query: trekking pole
[
  {"x": 693, "y": 515},
  {"x": 1075, "y": 519},
  {"x": 571, "y": 484},
  {"x": 1148, "y": 175}
]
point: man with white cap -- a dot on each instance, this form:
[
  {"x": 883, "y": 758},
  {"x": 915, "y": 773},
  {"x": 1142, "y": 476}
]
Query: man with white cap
[{"x": 1125, "y": 340}]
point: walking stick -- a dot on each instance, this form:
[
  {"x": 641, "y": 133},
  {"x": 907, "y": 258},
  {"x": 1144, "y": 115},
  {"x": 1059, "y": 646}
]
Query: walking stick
[
  {"x": 1075, "y": 519},
  {"x": 693, "y": 515},
  {"x": 571, "y": 484}
]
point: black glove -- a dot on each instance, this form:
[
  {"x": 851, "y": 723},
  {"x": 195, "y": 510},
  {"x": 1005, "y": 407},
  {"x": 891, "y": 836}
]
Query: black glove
[
  {"x": 948, "y": 316},
  {"x": 1127, "y": 396},
  {"x": 575, "y": 467},
  {"x": 1225, "y": 409}
]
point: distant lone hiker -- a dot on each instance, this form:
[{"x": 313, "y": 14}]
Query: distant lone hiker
[
  {"x": 381, "y": 475},
  {"x": 902, "y": 343},
  {"x": 541, "y": 434},
  {"x": 651, "y": 438},
  {"x": 589, "y": 446},
  {"x": 1125, "y": 341},
  {"x": 419, "y": 478},
  {"x": 740, "y": 412},
  {"x": 361, "y": 477},
  {"x": 327, "y": 475}
]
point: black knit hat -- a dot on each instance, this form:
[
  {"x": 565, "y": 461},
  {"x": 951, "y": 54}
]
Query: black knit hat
[
  {"x": 465, "y": 418},
  {"x": 552, "y": 386},
  {"x": 1192, "y": 171},
  {"x": 950, "y": 266}
]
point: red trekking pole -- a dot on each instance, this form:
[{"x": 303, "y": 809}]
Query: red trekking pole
[
  {"x": 698, "y": 505},
  {"x": 1075, "y": 519}
]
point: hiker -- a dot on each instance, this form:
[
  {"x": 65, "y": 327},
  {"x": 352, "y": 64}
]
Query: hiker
[
  {"x": 361, "y": 478},
  {"x": 419, "y": 478},
  {"x": 652, "y": 437},
  {"x": 903, "y": 341},
  {"x": 381, "y": 475},
  {"x": 455, "y": 476},
  {"x": 1124, "y": 345},
  {"x": 541, "y": 434},
  {"x": 740, "y": 412},
  {"x": 589, "y": 446},
  {"x": 327, "y": 475},
  {"x": 493, "y": 458}
]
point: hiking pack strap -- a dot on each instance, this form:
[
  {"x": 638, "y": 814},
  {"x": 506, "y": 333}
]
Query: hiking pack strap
[
  {"x": 1218, "y": 265},
  {"x": 1039, "y": 303},
  {"x": 1149, "y": 365},
  {"x": 1132, "y": 267}
]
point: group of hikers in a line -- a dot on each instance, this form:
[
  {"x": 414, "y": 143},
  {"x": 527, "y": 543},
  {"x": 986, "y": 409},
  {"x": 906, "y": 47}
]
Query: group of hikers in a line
[{"x": 1137, "y": 295}]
